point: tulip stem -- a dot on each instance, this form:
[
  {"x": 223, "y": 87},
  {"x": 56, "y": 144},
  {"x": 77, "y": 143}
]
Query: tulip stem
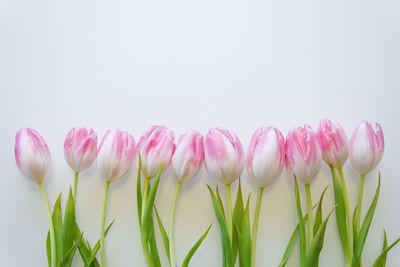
[
  {"x": 255, "y": 226},
  {"x": 310, "y": 214},
  {"x": 229, "y": 210},
  {"x": 171, "y": 226},
  {"x": 146, "y": 186},
  {"x": 103, "y": 225},
  {"x": 359, "y": 202},
  {"x": 51, "y": 225},
  {"x": 76, "y": 175},
  {"x": 347, "y": 207}
]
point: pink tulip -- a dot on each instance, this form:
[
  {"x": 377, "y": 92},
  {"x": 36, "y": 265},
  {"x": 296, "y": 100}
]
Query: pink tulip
[
  {"x": 333, "y": 142},
  {"x": 115, "y": 154},
  {"x": 303, "y": 154},
  {"x": 188, "y": 157},
  {"x": 366, "y": 147},
  {"x": 224, "y": 155},
  {"x": 156, "y": 147},
  {"x": 32, "y": 155},
  {"x": 80, "y": 148},
  {"x": 266, "y": 156}
]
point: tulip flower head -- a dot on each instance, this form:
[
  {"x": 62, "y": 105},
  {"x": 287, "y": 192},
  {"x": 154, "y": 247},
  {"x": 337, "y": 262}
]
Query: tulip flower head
[
  {"x": 265, "y": 156},
  {"x": 303, "y": 154},
  {"x": 80, "y": 148},
  {"x": 333, "y": 142},
  {"x": 366, "y": 147},
  {"x": 188, "y": 157},
  {"x": 224, "y": 155},
  {"x": 115, "y": 154},
  {"x": 32, "y": 155},
  {"x": 156, "y": 148}
]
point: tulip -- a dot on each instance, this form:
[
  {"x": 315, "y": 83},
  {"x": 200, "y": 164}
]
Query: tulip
[
  {"x": 32, "y": 155},
  {"x": 303, "y": 159},
  {"x": 333, "y": 142},
  {"x": 224, "y": 160},
  {"x": 115, "y": 155},
  {"x": 80, "y": 151},
  {"x": 366, "y": 147},
  {"x": 265, "y": 163},
  {"x": 265, "y": 156},
  {"x": 303, "y": 154},
  {"x": 186, "y": 163},
  {"x": 156, "y": 147},
  {"x": 33, "y": 159},
  {"x": 224, "y": 155}
]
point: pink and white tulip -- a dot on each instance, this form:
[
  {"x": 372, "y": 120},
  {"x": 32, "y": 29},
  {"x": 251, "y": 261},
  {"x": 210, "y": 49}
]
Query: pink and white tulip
[
  {"x": 156, "y": 148},
  {"x": 224, "y": 155},
  {"x": 333, "y": 142},
  {"x": 265, "y": 156},
  {"x": 303, "y": 154},
  {"x": 32, "y": 155},
  {"x": 188, "y": 157},
  {"x": 115, "y": 154},
  {"x": 366, "y": 147},
  {"x": 80, "y": 148}
]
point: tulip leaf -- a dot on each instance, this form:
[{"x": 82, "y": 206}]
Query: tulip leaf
[
  {"x": 238, "y": 213},
  {"x": 219, "y": 213},
  {"x": 362, "y": 236},
  {"x": 69, "y": 224},
  {"x": 341, "y": 214},
  {"x": 153, "y": 245},
  {"x": 318, "y": 215},
  {"x": 245, "y": 238},
  {"x": 302, "y": 229},
  {"x": 48, "y": 249},
  {"x": 193, "y": 250},
  {"x": 164, "y": 234},
  {"x": 317, "y": 244},
  {"x": 96, "y": 248},
  {"x": 139, "y": 189},
  {"x": 148, "y": 210},
  {"x": 381, "y": 260}
]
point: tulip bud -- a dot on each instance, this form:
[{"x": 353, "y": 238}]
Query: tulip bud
[
  {"x": 156, "y": 147},
  {"x": 188, "y": 156},
  {"x": 223, "y": 155},
  {"x": 32, "y": 155},
  {"x": 366, "y": 147},
  {"x": 80, "y": 148},
  {"x": 333, "y": 142},
  {"x": 115, "y": 154},
  {"x": 303, "y": 154},
  {"x": 265, "y": 156}
]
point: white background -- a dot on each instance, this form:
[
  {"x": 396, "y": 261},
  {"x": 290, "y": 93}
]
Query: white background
[{"x": 192, "y": 64}]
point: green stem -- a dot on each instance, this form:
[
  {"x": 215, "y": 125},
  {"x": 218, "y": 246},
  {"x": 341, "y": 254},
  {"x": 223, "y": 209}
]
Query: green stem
[
  {"x": 348, "y": 211},
  {"x": 146, "y": 251},
  {"x": 76, "y": 175},
  {"x": 255, "y": 226},
  {"x": 310, "y": 215},
  {"x": 145, "y": 193},
  {"x": 171, "y": 226},
  {"x": 229, "y": 211},
  {"x": 359, "y": 201},
  {"x": 103, "y": 225},
  {"x": 51, "y": 225}
]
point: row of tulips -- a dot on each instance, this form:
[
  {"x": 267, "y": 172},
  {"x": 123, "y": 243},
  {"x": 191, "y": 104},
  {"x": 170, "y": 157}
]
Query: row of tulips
[{"x": 222, "y": 153}]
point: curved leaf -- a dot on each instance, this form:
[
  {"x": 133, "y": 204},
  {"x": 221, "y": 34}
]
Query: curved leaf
[{"x": 193, "y": 250}]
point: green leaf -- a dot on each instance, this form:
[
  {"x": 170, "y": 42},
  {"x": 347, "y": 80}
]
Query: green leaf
[
  {"x": 58, "y": 227},
  {"x": 69, "y": 224},
  {"x": 48, "y": 248},
  {"x": 164, "y": 234},
  {"x": 96, "y": 248},
  {"x": 84, "y": 248},
  {"x": 193, "y": 250},
  {"x": 245, "y": 239},
  {"x": 318, "y": 215},
  {"x": 341, "y": 214},
  {"x": 381, "y": 260},
  {"x": 317, "y": 244},
  {"x": 153, "y": 245},
  {"x": 302, "y": 229},
  {"x": 148, "y": 210},
  {"x": 226, "y": 245},
  {"x": 362, "y": 236},
  {"x": 238, "y": 213},
  {"x": 139, "y": 190}
]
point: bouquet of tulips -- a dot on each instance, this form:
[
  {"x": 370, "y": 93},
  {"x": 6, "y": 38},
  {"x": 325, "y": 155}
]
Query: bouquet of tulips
[{"x": 224, "y": 157}]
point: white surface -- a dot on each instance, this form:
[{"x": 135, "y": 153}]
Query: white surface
[{"x": 192, "y": 64}]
